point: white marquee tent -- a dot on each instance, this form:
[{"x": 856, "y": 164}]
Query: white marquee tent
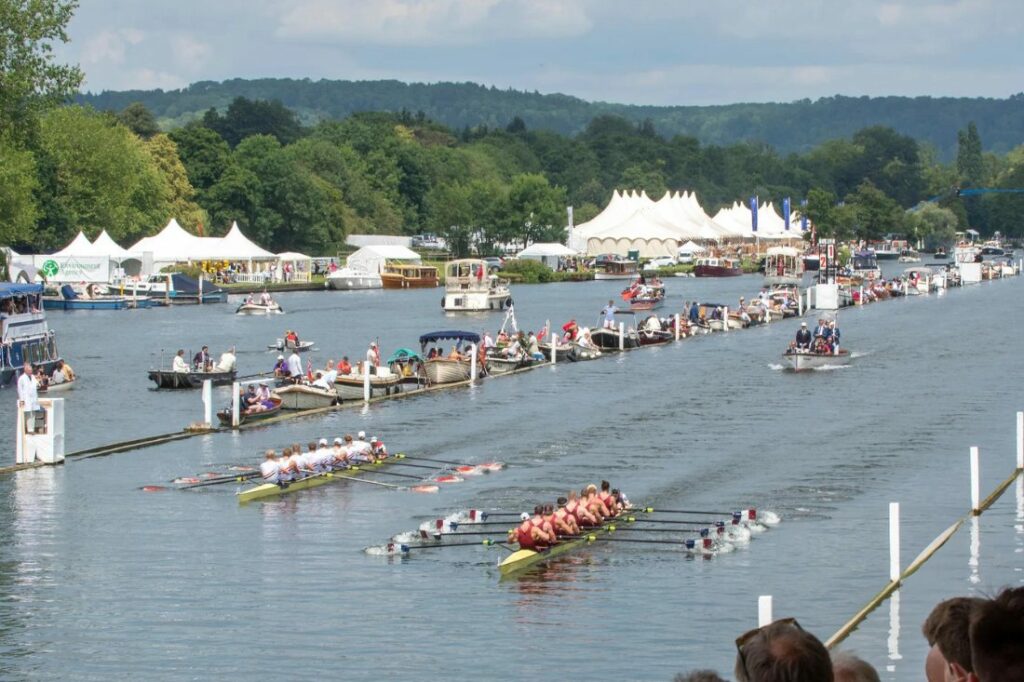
[
  {"x": 372, "y": 259},
  {"x": 547, "y": 253}
]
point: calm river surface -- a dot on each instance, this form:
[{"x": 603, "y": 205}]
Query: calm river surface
[{"x": 100, "y": 580}]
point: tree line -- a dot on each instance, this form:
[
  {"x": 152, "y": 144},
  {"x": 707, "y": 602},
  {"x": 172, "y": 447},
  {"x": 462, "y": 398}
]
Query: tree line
[{"x": 304, "y": 186}]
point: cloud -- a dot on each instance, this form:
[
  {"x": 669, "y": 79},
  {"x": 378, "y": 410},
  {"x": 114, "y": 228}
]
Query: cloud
[
  {"x": 110, "y": 46},
  {"x": 420, "y": 23},
  {"x": 189, "y": 52}
]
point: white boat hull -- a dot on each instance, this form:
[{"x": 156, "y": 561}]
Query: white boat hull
[
  {"x": 257, "y": 309},
  {"x": 353, "y": 281},
  {"x": 468, "y": 302},
  {"x": 301, "y": 397},
  {"x": 804, "y": 361},
  {"x": 443, "y": 371},
  {"x": 351, "y": 387}
]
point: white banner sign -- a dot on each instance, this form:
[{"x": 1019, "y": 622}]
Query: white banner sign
[{"x": 73, "y": 268}]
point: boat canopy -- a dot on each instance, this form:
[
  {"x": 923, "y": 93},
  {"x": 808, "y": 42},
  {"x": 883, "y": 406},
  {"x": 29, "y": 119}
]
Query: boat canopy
[
  {"x": 183, "y": 284},
  {"x": 472, "y": 337},
  {"x": 10, "y": 290},
  {"x": 403, "y": 355}
]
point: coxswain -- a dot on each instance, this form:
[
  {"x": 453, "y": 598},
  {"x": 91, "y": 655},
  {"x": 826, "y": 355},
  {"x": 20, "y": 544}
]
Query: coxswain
[
  {"x": 377, "y": 448},
  {"x": 606, "y": 497},
  {"x": 270, "y": 470},
  {"x": 564, "y": 522}
]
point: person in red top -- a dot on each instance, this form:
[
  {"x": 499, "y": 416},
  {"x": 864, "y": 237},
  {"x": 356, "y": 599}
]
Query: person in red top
[
  {"x": 531, "y": 533},
  {"x": 594, "y": 504},
  {"x": 344, "y": 367},
  {"x": 563, "y": 521},
  {"x": 579, "y": 511}
]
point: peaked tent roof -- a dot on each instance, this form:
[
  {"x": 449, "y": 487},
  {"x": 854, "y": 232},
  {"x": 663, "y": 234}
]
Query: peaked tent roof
[
  {"x": 79, "y": 246},
  {"x": 105, "y": 246},
  {"x": 174, "y": 243},
  {"x": 372, "y": 258},
  {"x": 235, "y": 245},
  {"x": 546, "y": 249}
]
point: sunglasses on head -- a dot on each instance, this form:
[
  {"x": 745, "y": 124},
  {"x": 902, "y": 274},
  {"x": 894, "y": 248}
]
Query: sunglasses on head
[{"x": 746, "y": 638}]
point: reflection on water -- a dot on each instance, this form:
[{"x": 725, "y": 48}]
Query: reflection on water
[{"x": 893, "y": 642}]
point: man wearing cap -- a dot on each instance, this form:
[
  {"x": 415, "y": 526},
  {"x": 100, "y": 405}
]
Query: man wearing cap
[
  {"x": 803, "y": 338},
  {"x": 326, "y": 378},
  {"x": 358, "y": 450},
  {"x": 339, "y": 455},
  {"x": 372, "y": 358},
  {"x": 377, "y": 448},
  {"x": 323, "y": 456},
  {"x": 280, "y": 367}
]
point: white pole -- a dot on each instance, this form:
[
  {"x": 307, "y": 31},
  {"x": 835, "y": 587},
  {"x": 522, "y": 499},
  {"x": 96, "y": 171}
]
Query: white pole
[
  {"x": 800, "y": 304},
  {"x": 1020, "y": 441},
  {"x": 725, "y": 319},
  {"x": 235, "y": 399},
  {"x": 677, "y": 326},
  {"x": 975, "y": 480},
  {"x": 622, "y": 336},
  {"x": 764, "y": 610},
  {"x": 554, "y": 349},
  {"x": 19, "y": 447},
  {"x": 894, "y": 541},
  {"x": 861, "y": 298},
  {"x": 366, "y": 382},
  {"x": 472, "y": 363},
  {"x": 207, "y": 401},
  {"x": 200, "y": 288}
]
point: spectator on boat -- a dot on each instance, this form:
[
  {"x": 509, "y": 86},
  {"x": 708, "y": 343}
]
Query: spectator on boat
[
  {"x": 822, "y": 330},
  {"x": 502, "y": 338},
  {"x": 291, "y": 339},
  {"x": 514, "y": 349},
  {"x": 201, "y": 360},
  {"x": 849, "y": 668},
  {"x": 344, "y": 367},
  {"x": 178, "y": 364},
  {"x": 834, "y": 336},
  {"x": 947, "y": 631},
  {"x": 280, "y": 367},
  {"x": 694, "y": 313},
  {"x": 265, "y": 298},
  {"x": 803, "y": 338},
  {"x": 533, "y": 347},
  {"x": 58, "y": 375},
  {"x": 295, "y": 366},
  {"x": 372, "y": 358},
  {"x": 227, "y": 361},
  {"x": 325, "y": 380},
  {"x": 996, "y": 633},
  {"x": 249, "y": 398},
  {"x": 455, "y": 354},
  {"x": 609, "y": 315},
  {"x": 782, "y": 652},
  {"x": 488, "y": 341}
]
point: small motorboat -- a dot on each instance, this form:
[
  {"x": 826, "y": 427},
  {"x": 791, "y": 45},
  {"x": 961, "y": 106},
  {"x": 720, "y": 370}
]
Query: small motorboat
[
  {"x": 300, "y": 347},
  {"x": 250, "y": 308},
  {"x": 166, "y": 378},
  {"x": 58, "y": 388},
  {"x": 580, "y": 353},
  {"x": 800, "y": 360},
  {"x": 499, "y": 364},
  {"x": 245, "y": 416},
  {"x": 940, "y": 254},
  {"x": 304, "y": 397},
  {"x": 351, "y": 386},
  {"x": 443, "y": 370}
]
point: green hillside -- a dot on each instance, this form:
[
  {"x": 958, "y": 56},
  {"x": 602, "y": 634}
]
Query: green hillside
[{"x": 788, "y": 127}]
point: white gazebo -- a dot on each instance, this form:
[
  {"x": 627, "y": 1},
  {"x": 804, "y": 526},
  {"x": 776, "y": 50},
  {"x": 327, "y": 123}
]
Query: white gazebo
[
  {"x": 547, "y": 253},
  {"x": 372, "y": 259}
]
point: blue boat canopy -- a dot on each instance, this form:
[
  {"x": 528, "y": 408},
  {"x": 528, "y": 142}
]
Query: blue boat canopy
[
  {"x": 404, "y": 355},
  {"x": 183, "y": 284},
  {"x": 10, "y": 290},
  {"x": 472, "y": 337}
]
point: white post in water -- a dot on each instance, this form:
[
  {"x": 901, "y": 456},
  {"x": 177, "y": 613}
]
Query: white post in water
[
  {"x": 1020, "y": 441},
  {"x": 894, "y": 541},
  {"x": 725, "y": 319},
  {"x": 366, "y": 382},
  {"x": 975, "y": 481},
  {"x": 764, "y": 610},
  {"x": 622, "y": 336},
  {"x": 860, "y": 299},
  {"x": 472, "y": 364},
  {"x": 200, "y": 288},
  {"x": 677, "y": 326},
  {"x": 800, "y": 303},
  {"x": 207, "y": 401},
  {"x": 235, "y": 399},
  {"x": 554, "y": 349}
]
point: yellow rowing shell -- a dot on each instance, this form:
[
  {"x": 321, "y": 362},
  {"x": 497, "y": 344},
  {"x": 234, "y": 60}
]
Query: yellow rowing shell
[{"x": 266, "y": 490}]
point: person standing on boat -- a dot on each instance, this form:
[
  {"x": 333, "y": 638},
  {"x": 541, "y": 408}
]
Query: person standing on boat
[
  {"x": 822, "y": 330},
  {"x": 372, "y": 358},
  {"x": 179, "y": 365},
  {"x": 488, "y": 341},
  {"x": 28, "y": 394},
  {"x": 803, "y": 338},
  {"x": 609, "y": 315},
  {"x": 834, "y": 336},
  {"x": 295, "y": 366}
]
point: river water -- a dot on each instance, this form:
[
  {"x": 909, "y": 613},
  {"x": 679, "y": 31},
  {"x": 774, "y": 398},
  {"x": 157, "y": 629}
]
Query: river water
[{"x": 100, "y": 580}]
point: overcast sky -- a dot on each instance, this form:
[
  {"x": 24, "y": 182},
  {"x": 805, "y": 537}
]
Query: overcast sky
[{"x": 638, "y": 52}]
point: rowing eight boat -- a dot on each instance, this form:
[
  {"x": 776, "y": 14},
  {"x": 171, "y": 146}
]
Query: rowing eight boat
[
  {"x": 266, "y": 490},
  {"x": 524, "y": 559}
]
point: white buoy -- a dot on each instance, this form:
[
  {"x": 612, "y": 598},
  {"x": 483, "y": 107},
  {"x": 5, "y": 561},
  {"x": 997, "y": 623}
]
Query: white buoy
[
  {"x": 622, "y": 336},
  {"x": 207, "y": 401},
  {"x": 472, "y": 364},
  {"x": 894, "y": 541},
  {"x": 975, "y": 481},
  {"x": 764, "y": 610},
  {"x": 235, "y": 399},
  {"x": 1020, "y": 441},
  {"x": 800, "y": 304},
  {"x": 677, "y": 326}
]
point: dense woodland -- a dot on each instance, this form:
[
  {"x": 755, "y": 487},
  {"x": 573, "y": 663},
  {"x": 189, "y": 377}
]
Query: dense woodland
[{"x": 303, "y": 186}]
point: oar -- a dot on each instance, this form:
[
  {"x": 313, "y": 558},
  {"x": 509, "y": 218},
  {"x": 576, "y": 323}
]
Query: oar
[
  {"x": 651, "y": 510},
  {"x": 388, "y": 473},
  {"x": 428, "y": 459},
  {"x": 633, "y": 529},
  {"x": 486, "y": 543},
  {"x": 419, "y": 466},
  {"x": 241, "y": 478},
  {"x": 605, "y": 538},
  {"x": 672, "y": 521},
  {"x": 366, "y": 480}
]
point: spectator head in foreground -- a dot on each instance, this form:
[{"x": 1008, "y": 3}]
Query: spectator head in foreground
[
  {"x": 698, "y": 676},
  {"x": 849, "y": 668},
  {"x": 946, "y": 628},
  {"x": 782, "y": 652},
  {"x": 997, "y": 638}
]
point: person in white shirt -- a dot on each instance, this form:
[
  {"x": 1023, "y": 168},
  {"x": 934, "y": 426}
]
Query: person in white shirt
[
  {"x": 325, "y": 379},
  {"x": 58, "y": 374},
  {"x": 323, "y": 456},
  {"x": 178, "y": 364},
  {"x": 359, "y": 450},
  {"x": 488, "y": 341},
  {"x": 270, "y": 470},
  {"x": 340, "y": 454},
  {"x": 227, "y": 361},
  {"x": 295, "y": 366},
  {"x": 372, "y": 358},
  {"x": 28, "y": 394}
]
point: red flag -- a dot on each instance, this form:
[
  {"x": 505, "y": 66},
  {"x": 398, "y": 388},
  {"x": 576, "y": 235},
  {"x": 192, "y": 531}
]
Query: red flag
[{"x": 309, "y": 369}]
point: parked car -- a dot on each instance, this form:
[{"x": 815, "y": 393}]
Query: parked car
[
  {"x": 663, "y": 262},
  {"x": 494, "y": 263},
  {"x": 602, "y": 260},
  {"x": 426, "y": 241},
  {"x": 685, "y": 259}
]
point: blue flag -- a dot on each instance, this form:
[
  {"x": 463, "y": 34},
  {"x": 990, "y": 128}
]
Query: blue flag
[
  {"x": 803, "y": 215},
  {"x": 785, "y": 212},
  {"x": 753, "y": 214}
]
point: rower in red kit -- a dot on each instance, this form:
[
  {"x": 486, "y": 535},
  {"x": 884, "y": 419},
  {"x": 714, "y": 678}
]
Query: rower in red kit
[
  {"x": 579, "y": 511},
  {"x": 563, "y": 521},
  {"x": 531, "y": 533},
  {"x": 606, "y": 497}
]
